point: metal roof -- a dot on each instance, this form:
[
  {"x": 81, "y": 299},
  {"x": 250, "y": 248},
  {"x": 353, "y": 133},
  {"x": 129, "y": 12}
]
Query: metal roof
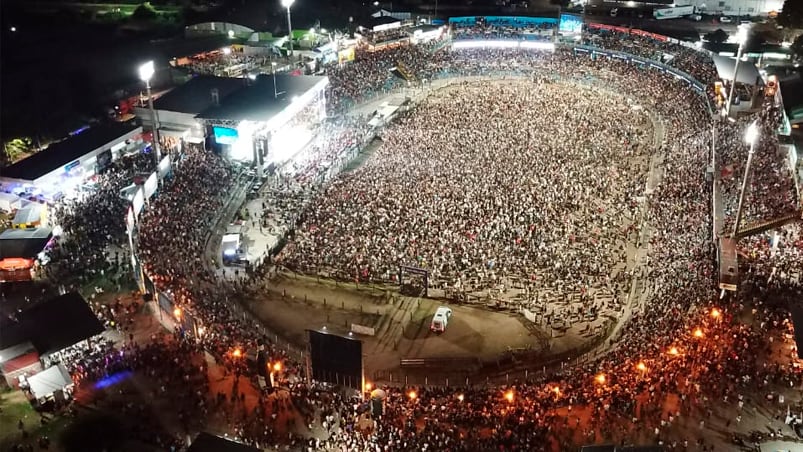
[
  {"x": 748, "y": 73},
  {"x": 195, "y": 96},
  {"x": 258, "y": 101},
  {"x": 63, "y": 152}
]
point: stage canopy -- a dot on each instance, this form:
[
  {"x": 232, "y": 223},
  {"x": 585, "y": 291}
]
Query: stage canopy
[{"x": 50, "y": 380}]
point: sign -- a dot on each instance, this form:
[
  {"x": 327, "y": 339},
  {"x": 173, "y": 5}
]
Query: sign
[
  {"x": 72, "y": 165},
  {"x": 150, "y": 185},
  {"x": 361, "y": 329},
  {"x": 345, "y": 55},
  {"x": 138, "y": 202}
]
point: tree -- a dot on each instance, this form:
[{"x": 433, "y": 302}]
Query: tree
[
  {"x": 145, "y": 11},
  {"x": 717, "y": 37},
  {"x": 791, "y": 14}
]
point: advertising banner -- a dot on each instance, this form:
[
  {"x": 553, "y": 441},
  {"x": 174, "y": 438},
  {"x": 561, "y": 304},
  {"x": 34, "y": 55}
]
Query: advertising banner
[
  {"x": 139, "y": 202},
  {"x": 150, "y": 185}
]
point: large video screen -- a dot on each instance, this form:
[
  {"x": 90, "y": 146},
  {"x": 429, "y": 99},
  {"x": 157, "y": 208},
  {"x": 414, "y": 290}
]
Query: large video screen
[
  {"x": 336, "y": 359},
  {"x": 225, "y": 135},
  {"x": 570, "y": 23}
]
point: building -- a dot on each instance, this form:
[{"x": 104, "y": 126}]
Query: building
[
  {"x": 207, "y": 442},
  {"x": 58, "y": 169},
  {"x": 41, "y": 333},
  {"x": 177, "y": 109},
  {"x": 227, "y": 114},
  {"x": 19, "y": 250}
]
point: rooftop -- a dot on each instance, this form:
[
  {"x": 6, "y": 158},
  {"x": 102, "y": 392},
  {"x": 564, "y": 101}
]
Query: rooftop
[
  {"x": 53, "y": 325},
  {"x": 195, "y": 96},
  {"x": 257, "y": 102},
  {"x": 206, "y": 442},
  {"x": 23, "y": 243},
  {"x": 63, "y": 152}
]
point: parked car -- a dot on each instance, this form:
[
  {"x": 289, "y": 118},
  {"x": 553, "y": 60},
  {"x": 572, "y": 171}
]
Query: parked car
[{"x": 725, "y": 20}]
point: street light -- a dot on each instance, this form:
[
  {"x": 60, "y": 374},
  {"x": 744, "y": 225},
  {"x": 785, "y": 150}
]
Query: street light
[
  {"x": 287, "y": 4},
  {"x": 750, "y": 136},
  {"x": 146, "y": 72},
  {"x": 273, "y": 71},
  {"x": 741, "y": 38}
]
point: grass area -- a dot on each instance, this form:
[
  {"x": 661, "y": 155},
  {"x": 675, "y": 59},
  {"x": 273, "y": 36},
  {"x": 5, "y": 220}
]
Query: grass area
[{"x": 15, "y": 407}]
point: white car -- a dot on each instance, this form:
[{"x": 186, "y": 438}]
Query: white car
[
  {"x": 725, "y": 20},
  {"x": 440, "y": 320}
]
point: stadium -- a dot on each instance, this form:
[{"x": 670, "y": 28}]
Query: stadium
[{"x": 592, "y": 219}]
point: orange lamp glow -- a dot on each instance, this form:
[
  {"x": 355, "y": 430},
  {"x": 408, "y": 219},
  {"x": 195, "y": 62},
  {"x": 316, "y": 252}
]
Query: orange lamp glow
[
  {"x": 237, "y": 353},
  {"x": 641, "y": 366},
  {"x": 177, "y": 313},
  {"x": 368, "y": 386},
  {"x": 509, "y": 396},
  {"x": 460, "y": 397},
  {"x": 698, "y": 333},
  {"x": 674, "y": 351},
  {"x": 277, "y": 367},
  {"x": 715, "y": 313},
  {"x": 412, "y": 395},
  {"x": 600, "y": 378}
]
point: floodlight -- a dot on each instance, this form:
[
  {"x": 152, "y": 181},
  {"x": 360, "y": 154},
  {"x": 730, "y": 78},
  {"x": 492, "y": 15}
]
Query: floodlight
[
  {"x": 226, "y": 50},
  {"x": 751, "y": 134},
  {"x": 287, "y": 3},
  {"x": 231, "y": 34},
  {"x": 146, "y": 71},
  {"x": 312, "y": 31}
]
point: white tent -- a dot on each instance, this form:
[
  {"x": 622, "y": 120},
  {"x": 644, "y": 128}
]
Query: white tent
[{"x": 47, "y": 382}]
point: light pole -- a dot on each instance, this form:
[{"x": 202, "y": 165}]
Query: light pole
[
  {"x": 287, "y": 4},
  {"x": 273, "y": 71},
  {"x": 751, "y": 136},
  {"x": 146, "y": 72},
  {"x": 741, "y": 37}
]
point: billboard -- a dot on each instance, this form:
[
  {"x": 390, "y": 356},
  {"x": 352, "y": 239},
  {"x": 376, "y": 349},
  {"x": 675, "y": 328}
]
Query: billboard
[
  {"x": 345, "y": 55},
  {"x": 570, "y": 23},
  {"x": 335, "y": 359}
]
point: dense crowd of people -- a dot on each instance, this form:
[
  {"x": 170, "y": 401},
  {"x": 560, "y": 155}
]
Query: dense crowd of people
[
  {"x": 480, "y": 205},
  {"x": 542, "y": 186}
]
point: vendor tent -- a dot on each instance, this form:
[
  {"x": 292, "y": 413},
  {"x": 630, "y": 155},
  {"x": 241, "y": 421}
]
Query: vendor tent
[{"x": 46, "y": 383}]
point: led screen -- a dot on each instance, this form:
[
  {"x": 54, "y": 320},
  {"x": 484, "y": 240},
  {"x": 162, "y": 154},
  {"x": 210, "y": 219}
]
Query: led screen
[
  {"x": 570, "y": 23},
  {"x": 225, "y": 135}
]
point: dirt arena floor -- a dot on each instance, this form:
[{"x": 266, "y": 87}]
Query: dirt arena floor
[{"x": 294, "y": 303}]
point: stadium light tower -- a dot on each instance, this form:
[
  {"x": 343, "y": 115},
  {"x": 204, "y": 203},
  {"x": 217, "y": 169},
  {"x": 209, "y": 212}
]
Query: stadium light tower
[
  {"x": 146, "y": 72},
  {"x": 287, "y": 4},
  {"x": 751, "y": 136},
  {"x": 741, "y": 37}
]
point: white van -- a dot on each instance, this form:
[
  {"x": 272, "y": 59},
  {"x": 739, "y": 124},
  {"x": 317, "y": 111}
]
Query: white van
[{"x": 440, "y": 320}]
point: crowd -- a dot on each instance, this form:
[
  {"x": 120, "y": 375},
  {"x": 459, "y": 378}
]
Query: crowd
[
  {"x": 481, "y": 205},
  {"x": 771, "y": 191},
  {"x": 544, "y": 186},
  {"x": 224, "y": 63},
  {"x": 92, "y": 233}
]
